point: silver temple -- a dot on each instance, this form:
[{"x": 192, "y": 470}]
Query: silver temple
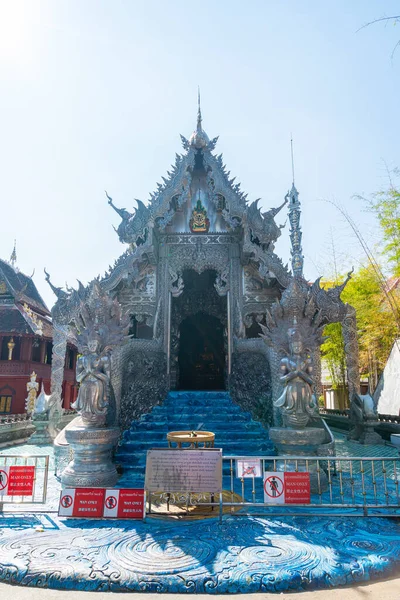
[{"x": 200, "y": 283}]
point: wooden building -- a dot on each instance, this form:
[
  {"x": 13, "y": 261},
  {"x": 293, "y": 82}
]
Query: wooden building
[{"x": 26, "y": 341}]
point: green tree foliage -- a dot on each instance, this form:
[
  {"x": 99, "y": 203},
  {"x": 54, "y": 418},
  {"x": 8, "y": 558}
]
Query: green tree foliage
[
  {"x": 376, "y": 325},
  {"x": 375, "y": 297},
  {"x": 335, "y": 360},
  {"x": 386, "y": 207}
]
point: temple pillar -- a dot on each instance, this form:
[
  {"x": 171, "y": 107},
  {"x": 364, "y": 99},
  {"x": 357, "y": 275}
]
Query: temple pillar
[
  {"x": 235, "y": 281},
  {"x": 168, "y": 336},
  {"x": 228, "y": 306},
  {"x": 317, "y": 372},
  {"x": 42, "y": 351},
  {"x": 60, "y": 333},
  {"x": 349, "y": 329},
  {"x": 274, "y": 359},
  {"x": 26, "y": 349}
]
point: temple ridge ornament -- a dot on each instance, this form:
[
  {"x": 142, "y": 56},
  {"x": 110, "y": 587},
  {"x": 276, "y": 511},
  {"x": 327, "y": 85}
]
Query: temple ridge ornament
[
  {"x": 199, "y": 222},
  {"x": 134, "y": 228},
  {"x": 263, "y": 229},
  {"x": 37, "y": 324}
]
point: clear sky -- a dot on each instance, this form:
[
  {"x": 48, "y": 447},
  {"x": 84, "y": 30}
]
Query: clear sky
[{"x": 94, "y": 94}]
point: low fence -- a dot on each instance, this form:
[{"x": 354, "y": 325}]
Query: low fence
[
  {"x": 346, "y": 413},
  {"x": 340, "y": 486},
  {"x": 27, "y": 475},
  {"x": 387, "y": 425}
]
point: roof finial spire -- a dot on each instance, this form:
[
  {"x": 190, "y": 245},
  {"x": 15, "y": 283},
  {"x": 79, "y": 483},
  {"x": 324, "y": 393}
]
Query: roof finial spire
[
  {"x": 13, "y": 257},
  {"x": 199, "y": 138},
  {"x": 295, "y": 228},
  {"x": 291, "y": 148},
  {"x": 199, "y": 119}
]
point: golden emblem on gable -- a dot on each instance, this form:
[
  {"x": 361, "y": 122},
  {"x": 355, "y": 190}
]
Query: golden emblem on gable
[
  {"x": 199, "y": 222},
  {"x": 3, "y": 287}
]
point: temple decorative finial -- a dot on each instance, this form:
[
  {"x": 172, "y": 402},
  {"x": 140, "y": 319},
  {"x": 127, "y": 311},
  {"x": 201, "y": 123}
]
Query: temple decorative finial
[
  {"x": 291, "y": 148},
  {"x": 199, "y": 138},
  {"x": 295, "y": 229},
  {"x": 13, "y": 257},
  {"x": 199, "y": 117}
]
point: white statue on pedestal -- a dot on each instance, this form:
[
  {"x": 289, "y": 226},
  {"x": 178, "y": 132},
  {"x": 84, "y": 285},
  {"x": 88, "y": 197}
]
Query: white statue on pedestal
[{"x": 32, "y": 388}]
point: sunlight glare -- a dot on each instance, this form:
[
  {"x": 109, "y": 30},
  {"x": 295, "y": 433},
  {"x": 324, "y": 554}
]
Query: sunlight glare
[{"x": 16, "y": 29}]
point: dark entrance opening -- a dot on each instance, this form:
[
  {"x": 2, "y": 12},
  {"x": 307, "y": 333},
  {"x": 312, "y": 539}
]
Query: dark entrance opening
[{"x": 201, "y": 353}]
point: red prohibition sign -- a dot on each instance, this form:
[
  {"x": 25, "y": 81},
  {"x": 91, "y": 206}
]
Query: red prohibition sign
[
  {"x": 66, "y": 501},
  {"x": 111, "y": 502},
  {"x": 3, "y": 480},
  {"x": 273, "y": 486}
]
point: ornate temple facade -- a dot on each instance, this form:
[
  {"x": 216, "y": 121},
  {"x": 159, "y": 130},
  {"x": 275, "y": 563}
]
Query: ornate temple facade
[{"x": 199, "y": 280}]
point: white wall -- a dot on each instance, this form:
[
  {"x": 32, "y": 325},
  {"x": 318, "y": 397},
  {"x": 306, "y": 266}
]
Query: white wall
[{"x": 387, "y": 393}]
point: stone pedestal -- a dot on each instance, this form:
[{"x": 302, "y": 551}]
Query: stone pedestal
[
  {"x": 91, "y": 465},
  {"x": 41, "y": 435},
  {"x": 365, "y": 433},
  {"x": 301, "y": 442}
]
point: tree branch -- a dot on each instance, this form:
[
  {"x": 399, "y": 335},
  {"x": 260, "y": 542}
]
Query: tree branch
[{"x": 395, "y": 18}]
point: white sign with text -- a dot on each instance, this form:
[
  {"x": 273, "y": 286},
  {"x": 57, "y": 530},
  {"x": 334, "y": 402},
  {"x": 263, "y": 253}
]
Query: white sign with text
[{"x": 184, "y": 470}]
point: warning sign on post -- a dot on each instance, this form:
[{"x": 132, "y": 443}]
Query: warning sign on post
[
  {"x": 286, "y": 488},
  {"x": 17, "y": 480},
  {"x": 297, "y": 488},
  {"x": 98, "y": 503},
  {"x": 82, "y": 502},
  {"x": 3, "y": 480},
  {"x": 248, "y": 467},
  {"x": 124, "y": 504},
  {"x": 274, "y": 488}
]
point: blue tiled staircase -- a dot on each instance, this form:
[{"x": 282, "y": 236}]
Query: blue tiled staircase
[{"x": 235, "y": 431}]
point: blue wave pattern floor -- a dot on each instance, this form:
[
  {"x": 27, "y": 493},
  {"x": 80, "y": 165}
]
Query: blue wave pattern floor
[{"x": 239, "y": 556}]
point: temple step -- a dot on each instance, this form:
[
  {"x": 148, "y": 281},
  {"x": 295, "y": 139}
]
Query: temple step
[
  {"x": 235, "y": 431},
  {"x": 220, "y": 436},
  {"x": 165, "y": 409},
  {"x": 220, "y": 425}
]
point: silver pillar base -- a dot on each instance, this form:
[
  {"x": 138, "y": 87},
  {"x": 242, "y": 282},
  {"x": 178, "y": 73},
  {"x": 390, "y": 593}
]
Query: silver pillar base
[
  {"x": 301, "y": 442},
  {"x": 91, "y": 465}
]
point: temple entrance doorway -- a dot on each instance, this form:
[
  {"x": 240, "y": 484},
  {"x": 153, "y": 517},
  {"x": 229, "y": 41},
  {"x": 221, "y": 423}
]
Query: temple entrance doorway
[
  {"x": 201, "y": 353},
  {"x": 199, "y": 326}
]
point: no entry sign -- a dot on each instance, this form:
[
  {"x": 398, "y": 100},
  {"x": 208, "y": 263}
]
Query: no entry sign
[
  {"x": 98, "y": 503},
  {"x": 286, "y": 488},
  {"x": 17, "y": 480},
  {"x": 124, "y": 504},
  {"x": 82, "y": 502},
  {"x": 274, "y": 488}
]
